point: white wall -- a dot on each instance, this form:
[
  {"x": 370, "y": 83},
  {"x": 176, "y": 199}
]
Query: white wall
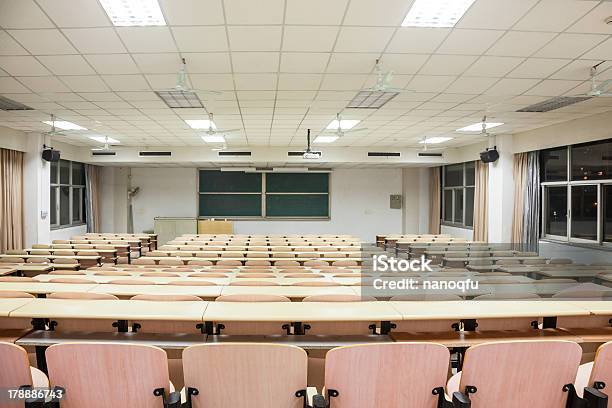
[
  {"x": 67, "y": 233},
  {"x": 457, "y": 232},
  {"x": 577, "y": 253}
]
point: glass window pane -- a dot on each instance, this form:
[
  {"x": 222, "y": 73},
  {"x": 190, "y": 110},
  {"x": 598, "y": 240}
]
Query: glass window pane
[
  {"x": 556, "y": 211},
  {"x": 53, "y": 171},
  {"x": 470, "y": 174},
  {"x": 592, "y": 161},
  {"x": 458, "y": 205},
  {"x": 83, "y": 209},
  {"x": 53, "y": 205},
  {"x": 78, "y": 174},
  {"x": 76, "y": 205},
  {"x": 553, "y": 164},
  {"x": 469, "y": 206},
  {"x": 64, "y": 205},
  {"x": 607, "y": 195},
  {"x": 453, "y": 175},
  {"x": 584, "y": 212},
  {"x": 448, "y": 205},
  {"x": 64, "y": 167}
]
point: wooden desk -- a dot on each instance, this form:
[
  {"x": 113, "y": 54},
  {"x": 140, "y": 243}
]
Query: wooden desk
[
  {"x": 307, "y": 342},
  {"x": 43, "y": 288},
  {"x": 585, "y": 275},
  {"x": 161, "y": 280},
  {"x": 592, "y": 335},
  {"x": 96, "y": 258},
  {"x": 8, "y": 305},
  {"x": 595, "y": 307},
  {"x": 207, "y": 292},
  {"x": 7, "y": 271},
  {"x": 292, "y": 292}
]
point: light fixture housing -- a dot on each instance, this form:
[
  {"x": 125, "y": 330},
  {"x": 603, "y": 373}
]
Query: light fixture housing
[
  {"x": 477, "y": 127},
  {"x": 436, "y": 13},
  {"x": 123, "y": 13},
  {"x": 213, "y": 138},
  {"x": 345, "y": 124},
  {"x": 64, "y": 125},
  {"x": 325, "y": 139},
  {"x": 436, "y": 140},
  {"x": 104, "y": 139},
  {"x": 200, "y": 123},
  {"x": 371, "y": 99},
  {"x": 177, "y": 99}
]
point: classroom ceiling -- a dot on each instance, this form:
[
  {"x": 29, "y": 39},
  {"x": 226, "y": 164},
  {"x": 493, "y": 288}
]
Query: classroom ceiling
[{"x": 287, "y": 65}]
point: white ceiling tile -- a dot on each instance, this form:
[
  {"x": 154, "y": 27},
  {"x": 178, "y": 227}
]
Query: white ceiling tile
[
  {"x": 255, "y": 81},
  {"x": 403, "y": 63},
  {"x": 309, "y": 12},
  {"x": 352, "y": 63},
  {"x": 309, "y": 39},
  {"x": 22, "y": 14},
  {"x": 554, "y": 15},
  {"x": 200, "y": 39},
  {"x": 447, "y": 64},
  {"x": 303, "y": 62},
  {"x": 509, "y": 86},
  {"x": 593, "y": 22},
  {"x": 95, "y": 40},
  {"x": 578, "y": 70},
  {"x": 100, "y": 96},
  {"x": 251, "y": 62},
  {"x": 363, "y": 39},
  {"x": 210, "y": 82},
  {"x": 166, "y": 63},
  {"x": 470, "y": 85},
  {"x": 255, "y": 38},
  {"x": 43, "y": 42},
  {"x": 8, "y": 46},
  {"x": 85, "y": 83},
  {"x": 570, "y": 45},
  {"x": 66, "y": 64},
  {"x": 254, "y": 12},
  {"x": 538, "y": 68},
  {"x": 210, "y": 62},
  {"x": 553, "y": 87},
  {"x": 138, "y": 96},
  {"x": 62, "y": 97},
  {"x": 339, "y": 82},
  {"x": 11, "y": 85},
  {"x": 64, "y": 14},
  {"x": 126, "y": 82},
  {"x": 22, "y": 66},
  {"x": 520, "y": 43},
  {"x": 488, "y": 66},
  {"x": 469, "y": 42},
  {"x": 495, "y": 14},
  {"x": 417, "y": 40},
  {"x": 43, "y": 84},
  {"x": 112, "y": 63},
  {"x": 429, "y": 83},
  {"x": 147, "y": 39},
  {"x": 192, "y": 12},
  {"x": 602, "y": 52},
  {"x": 300, "y": 82},
  {"x": 371, "y": 13}
]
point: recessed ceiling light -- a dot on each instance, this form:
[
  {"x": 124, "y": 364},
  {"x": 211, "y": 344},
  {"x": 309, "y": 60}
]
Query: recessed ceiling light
[
  {"x": 213, "y": 138},
  {"x": 134, "y": 12},
  {"x": 180, "y": 99},
  {"x": 436, "y": 13},
  {"x": 104, "y": 139},
  {"x": 477, "y": 127},
  {"x": 371, "y": 99},
  {"x": 62, "y": 124},
  {"x": 200, "y": 123},
  {"x": 436, "y": 140},
  {"x": 345, "y": 124},
  {"x": 325, "y": 139}
]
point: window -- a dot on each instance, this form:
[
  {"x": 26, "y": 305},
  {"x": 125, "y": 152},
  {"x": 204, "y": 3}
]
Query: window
[
  {"x": 577, "y": 192},
  {"x": 238, "y": 194},
  {"x": 458, "y": 182},
  {"x": 67, "y": 194}
]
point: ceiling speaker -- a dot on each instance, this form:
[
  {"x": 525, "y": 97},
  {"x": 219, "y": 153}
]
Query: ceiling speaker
[
  {"x": 489, "y": 155},
  {"x": 50, "y": 155}
]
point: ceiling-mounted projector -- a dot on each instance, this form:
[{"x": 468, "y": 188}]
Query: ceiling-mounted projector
[{"x": 309, "y": 153}]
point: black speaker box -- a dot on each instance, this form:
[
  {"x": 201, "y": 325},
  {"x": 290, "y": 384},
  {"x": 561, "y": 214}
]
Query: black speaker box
[
  {"x": 489, "y": 155},
  {"x": 51, "y": 155}
]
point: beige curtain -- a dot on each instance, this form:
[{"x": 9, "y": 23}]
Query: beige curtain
[
  {"x": 11, "y": 200},
  {"x": 434, "y": 191},
  {"x": 92, "y": 187},
  {"x": 519, "y": 169},
  {"x": 481, "y": 203}
]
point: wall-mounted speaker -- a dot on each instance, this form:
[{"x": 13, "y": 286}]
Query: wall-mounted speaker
[
  {"x": 50, "y": 155},
  {"x": 489, "y": 155}
]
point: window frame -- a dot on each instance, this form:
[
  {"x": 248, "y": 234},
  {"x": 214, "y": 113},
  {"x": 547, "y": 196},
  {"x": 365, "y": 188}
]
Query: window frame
[
  {"x": 464, "y": 188},
  {"x": 72, "y": 188}
]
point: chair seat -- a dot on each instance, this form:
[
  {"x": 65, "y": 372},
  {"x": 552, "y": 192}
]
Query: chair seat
[
  {"x": 582, "y": 377},
  {"x": 39, "y": 379},
  {"x": 452, "y": 385}
]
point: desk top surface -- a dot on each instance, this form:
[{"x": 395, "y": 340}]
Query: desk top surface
[
  {"x": 8, "y": 305},
  {"x": 132, "y": 290},
  {"x": 288, "y": 291},
  {"x": 47, "y": 287}
]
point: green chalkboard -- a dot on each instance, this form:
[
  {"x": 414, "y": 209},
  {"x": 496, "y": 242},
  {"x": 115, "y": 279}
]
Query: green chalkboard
[
  {"x": 297, "y": 182},
  {"x": 216, "y": 181},
  {"x": 230, "y": 205},
  {"x": 297, "y": 205}
]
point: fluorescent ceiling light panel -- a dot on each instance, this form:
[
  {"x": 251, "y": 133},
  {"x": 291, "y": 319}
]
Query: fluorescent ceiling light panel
[
  {"x": 345, "y": 124},
  {"x": 371, "y": 99},
  {"x": 436, "y": 13},
  {"x": 325, "y": 139},
  {"x": 125, "y": 13},
  {"x": 104, "y": 139},
  {"x": 213, "y": 138},
  {"x": 436, "y": 140},
  {"x": 62, "y": 124},
  {"x": 180, "y": 99},
  {"x": 7, "y": 104},
  {"x": 477, "y": 127},
  {"x": 200, "y": 123}
]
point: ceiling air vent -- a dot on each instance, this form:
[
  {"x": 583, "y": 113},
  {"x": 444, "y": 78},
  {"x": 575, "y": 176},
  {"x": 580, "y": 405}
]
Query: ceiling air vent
[
  {"x": 384, "y": 154},
  {"x": 371, "y": 99},
  {"x": 7, "y": 104},
  {"x": 554, "y": 103},
  {"x": 234, "y": 153},
  {"x": 103, "y": 153},
  {"x": 154, "y": 154},
  {"x": 299, "y": 153},
  {"x": 423, "y": 154}
]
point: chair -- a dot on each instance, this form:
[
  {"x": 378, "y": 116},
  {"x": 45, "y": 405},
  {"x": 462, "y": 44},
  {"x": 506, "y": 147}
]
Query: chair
[
  {"x": 345, "y": 263},
  {"x": 9, "y": 294},
  {"x": 98, "y": 375},
  {"x": 314, "y": 264},
  {"x": 171, "y": 261},
  {"x": 82, "y": 296},
  {"x": 229, "y": 262},
  {"x": 518, "y": 374},
  {"x": 40, "y": 252},
  {"x": 304, "y": 275},
  {"x": 11, "y": 260},
  {"x": 534, "y": 261},
  {"x": 66, "y": 263},
  {"x": 16, "y": 252},
  {"x": 561, "y": 261},
  {"x": 167, "y": 298},
  {"x": 255, "y": 275},
  {"x": 507, "y": 296},
  {"x": 143, "y": 261},
  {"x": 16, "y": 371},
  {"x": 287, "y": 263},
  {"x": 596, "y": 374},
  {"x": 245, "y": 375},
  {"x": 207, "y": 275},
  {"x": 82, "y": 325},
  {"x": 192, "y": 283},
  {"x": 253, "y": 283},
  {"x": 252, "y": 298},
  {"x": 160, "y": 274},
  {"x": 41, "y": 246},
  {"x": 339, "y": 298},
  {"x": 248, "y": 327},
  {"x": 112, "y": 273},
  {"x": 386, "y": 375},
  {"x": 257, "y": 263},
  {"x": 316, "y": 283},
  {"x": 38, "y": 260},
  {"x": 66, "y": 272},
  {"x": 71, "y": 280},
  {"x": 16, "y": 279},
  {"x": 199, "y": 263}
]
